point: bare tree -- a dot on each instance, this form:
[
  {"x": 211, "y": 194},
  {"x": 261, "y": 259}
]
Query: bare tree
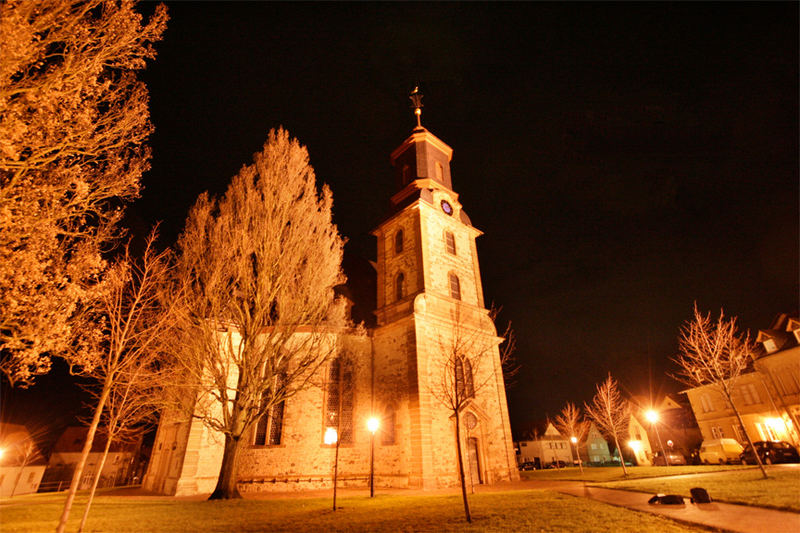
[
  {"x": 569, "y": 424},
  {"x": 470, "y": 359},
  {"x": 131, "y": 406},
  {"x": 713, "y": 352},
  {"x": 73, "y": 121},
  {"x": 125, "y": 325},
  {"x": 258, "y": 269},
  {"x": 611, "y": 414}
]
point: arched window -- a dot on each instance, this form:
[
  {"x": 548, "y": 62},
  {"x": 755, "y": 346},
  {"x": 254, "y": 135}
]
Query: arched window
[
  {"x": 464, "y": 384},
  {"x": 439, "y": 171},
  {"x": 387, "y": 426},
  {"x": 399, "y": 286},
  {"x": 269, "y": 427},
  {"x": 339, "y": 402},
  {"x": 398, "y": 242},
  {"x": 455, "y": 286},
  {"x": 459, "y": 369},
  {"x": 469, "y": 387},
  {"x": 450, "y": 242},
  {"x": 406, "y": 174}
]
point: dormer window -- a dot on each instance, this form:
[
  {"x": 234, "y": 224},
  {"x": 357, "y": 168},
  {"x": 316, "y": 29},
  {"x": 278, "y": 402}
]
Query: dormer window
[
  {"x": 398, "y": 242},
  {"x": 769, "y": 345}
]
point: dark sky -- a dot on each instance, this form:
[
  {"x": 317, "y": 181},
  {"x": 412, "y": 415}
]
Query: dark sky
[{"x": 623, "y": 160}]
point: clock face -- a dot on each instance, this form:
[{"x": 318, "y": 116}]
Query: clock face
[{"x": 446, "y": 207}]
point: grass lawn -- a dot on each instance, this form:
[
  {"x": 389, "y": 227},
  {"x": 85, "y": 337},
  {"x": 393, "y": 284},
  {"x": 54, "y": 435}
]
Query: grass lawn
[
  {"x": 533, "y": 510},
  {"x": 614, "y": 473},
  {"x": 780, "y": 491}
]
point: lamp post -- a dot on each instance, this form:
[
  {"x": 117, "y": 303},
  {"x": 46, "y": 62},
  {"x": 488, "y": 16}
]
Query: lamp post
[
  {"x": 574, "y": 441},
  {"x": 332, "y": 437},
  {"x": 372, "y": 426},
  {"x": 652, "y": 417}
]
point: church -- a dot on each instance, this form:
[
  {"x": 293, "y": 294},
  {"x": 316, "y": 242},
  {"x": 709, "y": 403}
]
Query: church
[{"x": 428, "y": 300}]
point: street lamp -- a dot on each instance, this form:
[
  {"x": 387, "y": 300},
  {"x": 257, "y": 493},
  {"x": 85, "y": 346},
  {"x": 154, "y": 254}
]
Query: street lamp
[
  {"x": 332, "y": 437},
  {"x": 372, "y": 426},
  {"x": 652, "y": 417},
  {"x": 574, "y": 441}
]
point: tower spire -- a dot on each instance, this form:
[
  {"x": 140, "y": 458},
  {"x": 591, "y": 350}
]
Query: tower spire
[{"x": 416, "y": 103}]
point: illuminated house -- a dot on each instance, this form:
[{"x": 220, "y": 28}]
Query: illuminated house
[
  {"x": 118, "y": 467},
  {"x": 21, "y": 463},
  {"x": 551, "y": 446},
  {"x": 767, "y": 395},
  {"x": 425, "y": 283},
  {"x": 638, "y": 443},
  {"x": 676, "y": 426},
  {"x": 594, "y": 449}
]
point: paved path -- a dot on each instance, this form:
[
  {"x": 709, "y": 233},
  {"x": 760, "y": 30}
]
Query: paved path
[{"x": 725, "y": 516}]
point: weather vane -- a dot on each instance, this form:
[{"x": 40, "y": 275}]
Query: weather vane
[{"x": 416, "y": 103}]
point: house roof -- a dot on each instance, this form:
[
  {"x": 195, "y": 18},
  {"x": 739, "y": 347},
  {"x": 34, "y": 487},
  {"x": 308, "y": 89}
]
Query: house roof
[{"x": 73, "y": 438}]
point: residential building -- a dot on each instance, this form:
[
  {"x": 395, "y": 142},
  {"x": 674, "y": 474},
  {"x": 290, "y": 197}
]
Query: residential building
[
  {"x": 548, "y": 448},
  {"x": 767, "y": 395},
  {"x": 21, "y": 463},
  {"x": 118, "y": 468},
  {"x": 594, "y": 449}
]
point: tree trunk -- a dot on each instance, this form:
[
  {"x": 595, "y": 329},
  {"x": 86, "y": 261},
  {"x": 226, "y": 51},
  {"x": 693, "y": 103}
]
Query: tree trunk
[
  {"x": 87, "y": 448},
  {"x": 226, "y": 488},
  {"x": 461, "y": 469},
  {"x": 746, "y": 434},
  {"x": 94, "y": 484},
  {"x": 621, "y": 458}
]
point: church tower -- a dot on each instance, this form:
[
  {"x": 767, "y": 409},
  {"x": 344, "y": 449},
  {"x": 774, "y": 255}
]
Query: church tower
[{"x": 429, "y": 294}]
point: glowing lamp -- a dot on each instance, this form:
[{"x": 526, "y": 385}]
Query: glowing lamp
[
  {"x": 373, "y": 424},
  {"x": 634, "y": 445},
  {"x": 330, "y": 436},
  {"x": 652, "y": 416},
  {"x": 574, "y": 440},
  {"x": 2, "y": 452}
]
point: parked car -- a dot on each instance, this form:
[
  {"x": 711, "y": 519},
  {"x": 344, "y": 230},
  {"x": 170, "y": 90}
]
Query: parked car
[
  {"x": 775, "y": 451},
  {"x": 720, "y": 451},
  {"x": 561, "y": 464},
  {"x": 527, "y": 465},
  {"x": 675, "y": 458}
]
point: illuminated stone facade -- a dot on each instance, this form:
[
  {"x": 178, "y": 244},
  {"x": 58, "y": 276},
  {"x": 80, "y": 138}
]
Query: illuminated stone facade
[{"x": 428, "y": 291}]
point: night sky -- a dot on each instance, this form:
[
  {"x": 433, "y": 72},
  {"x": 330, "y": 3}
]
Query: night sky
[{"x": 623, "y": 160}]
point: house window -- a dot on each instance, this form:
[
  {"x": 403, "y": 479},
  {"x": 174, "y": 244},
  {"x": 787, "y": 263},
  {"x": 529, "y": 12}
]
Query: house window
[
  {"x": 439, "y": 171},
  {"x": 705, "y": 401},
  {"x": 31, "y": 476},
  {"x": 455, "y": 286},
  {"x": 787, "y": 380},
  {"x": 737, "y": 430},
  {"x": 406, "y": 174},
  {"x": 339, "y": 403},
  {"x": 750, "y": 394},
  {"x": 269, "y": 428},
  {"x": 399, "y": 288},
  {"x": 398, "y": 242},
  {"x": 450, "y": 242},
  {"x": 717, "y": 433}
]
